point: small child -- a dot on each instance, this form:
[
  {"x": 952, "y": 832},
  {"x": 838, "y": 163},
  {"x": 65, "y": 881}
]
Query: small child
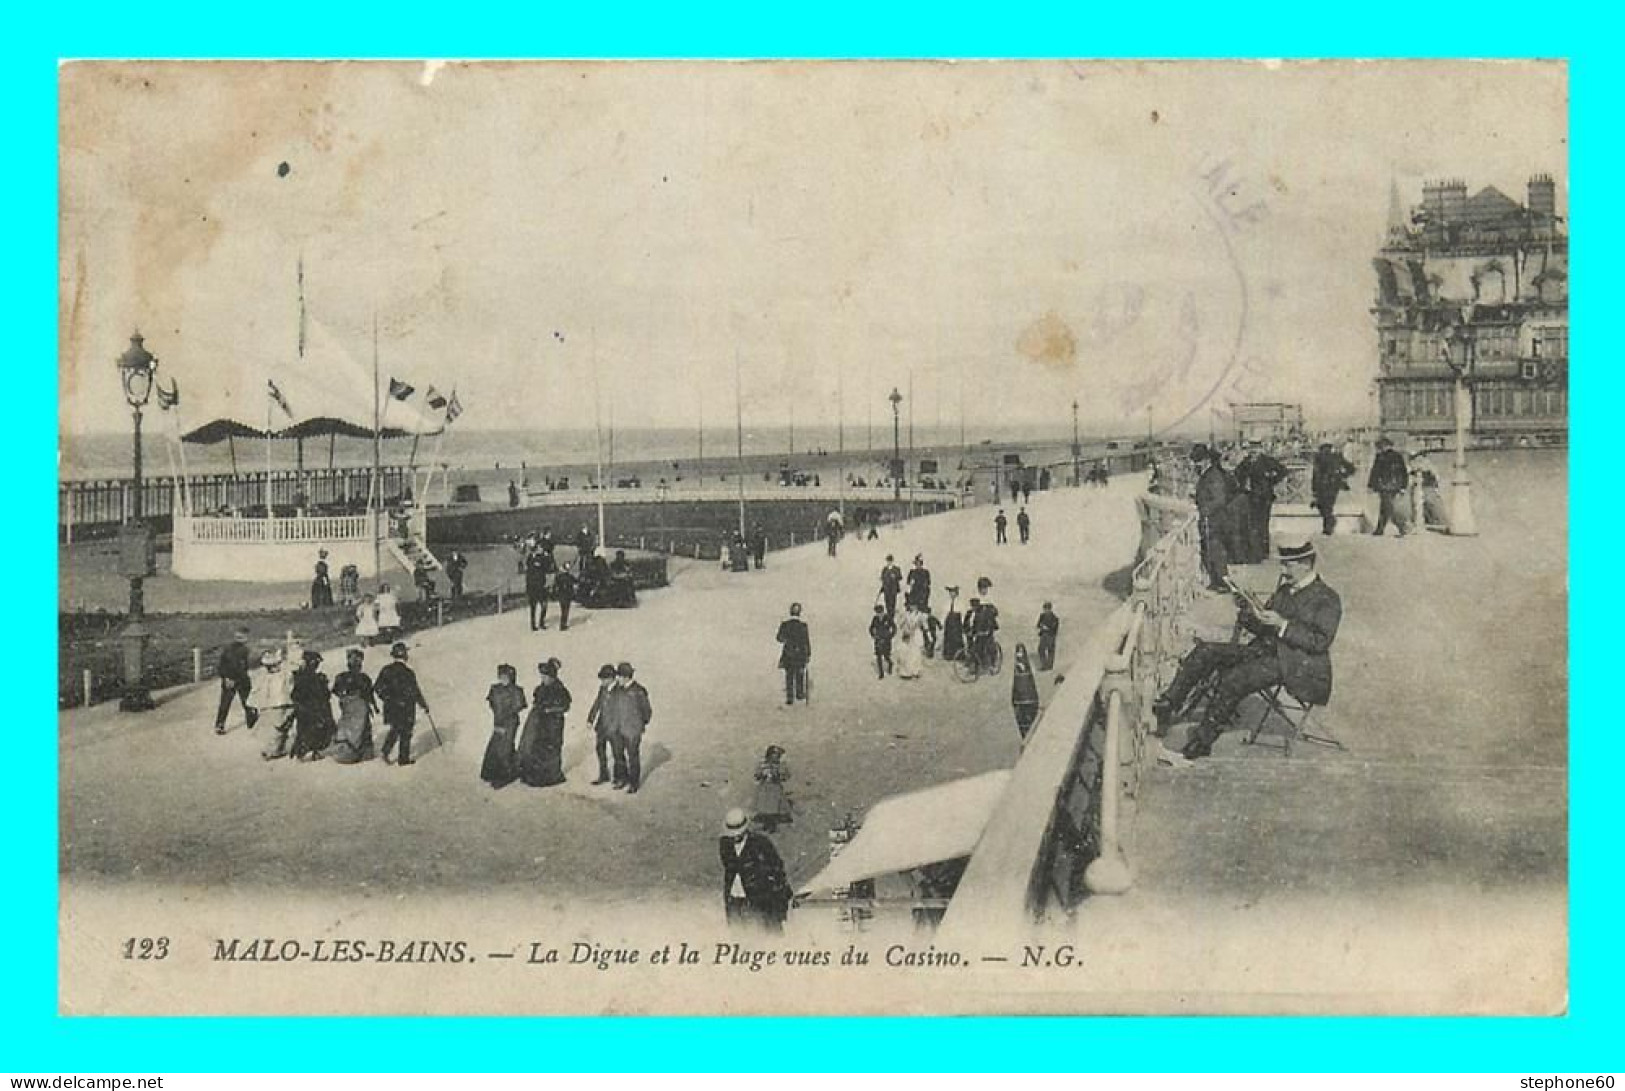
[
  {"x": 507, "y": 701},
  {"x": 772, "y": 802},
  {"x": 366, "y": 621}
]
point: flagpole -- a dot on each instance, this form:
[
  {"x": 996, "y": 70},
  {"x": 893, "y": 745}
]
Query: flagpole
[
  {"x": 598, "y": 425},
  {"x": 375, "y": 500},
  {"x": 268, "y": 452},
  {"x": 840, "y": 428},
  {"x": 739, "y": 433}
]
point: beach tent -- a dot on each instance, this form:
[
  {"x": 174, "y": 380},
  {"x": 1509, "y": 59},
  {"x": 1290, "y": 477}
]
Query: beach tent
[
  {"x": 908, "y": 831},
  {"x": 325, "y": 391}
]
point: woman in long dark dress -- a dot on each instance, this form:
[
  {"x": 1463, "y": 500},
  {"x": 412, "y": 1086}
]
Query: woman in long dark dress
[
  {"x": 312, "y": 709},
  {"x": 953, "y": 629},
  {"x": 541, "y": 749},
  {"x": 352, "y": 741},
  {"x": 507, "y": 701}
]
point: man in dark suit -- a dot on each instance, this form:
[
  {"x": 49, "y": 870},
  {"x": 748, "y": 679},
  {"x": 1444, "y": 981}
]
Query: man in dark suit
[
  {"x": 755, "y": 891},
  {"x": 234, "y": 684},
  {"x": 538, "y": 567},
  {"x": 1214, "y": 492},
  {"x": 1390, "y": 479},
  {"x": 1292, "y": 640},
  {"x": 891, "y": 582},
  {"x": 1329, "y": 477},
  {"x": 796, "y": 654},
  {"x": 1257, "y": 475},
  {"x": 625, "y": 714},
  {"x": 397, "y": 690}
]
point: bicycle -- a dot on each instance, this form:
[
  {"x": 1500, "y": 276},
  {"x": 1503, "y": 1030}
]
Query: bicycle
[{"x": 970, "y": 666}]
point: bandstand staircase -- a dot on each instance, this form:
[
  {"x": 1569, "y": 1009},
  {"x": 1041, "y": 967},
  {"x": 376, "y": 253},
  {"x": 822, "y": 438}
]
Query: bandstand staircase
[{"x": 408, "y": 551}]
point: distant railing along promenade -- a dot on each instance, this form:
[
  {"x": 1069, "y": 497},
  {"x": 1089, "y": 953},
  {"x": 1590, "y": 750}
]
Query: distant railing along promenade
[
  {"x": 1055, "y": 836},
  {"x": 89, "y": 507}
]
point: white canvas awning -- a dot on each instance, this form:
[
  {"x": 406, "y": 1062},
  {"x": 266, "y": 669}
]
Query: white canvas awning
[
  {"x": 328, "y": 391},
  {"x": 909, "y": 831}
]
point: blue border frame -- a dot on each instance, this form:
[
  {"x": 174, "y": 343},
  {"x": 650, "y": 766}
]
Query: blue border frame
[{"x": 36, "y": 1039}]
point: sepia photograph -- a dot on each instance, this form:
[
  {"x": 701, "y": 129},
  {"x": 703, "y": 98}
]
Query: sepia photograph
[{"x": 836, "y": 537}]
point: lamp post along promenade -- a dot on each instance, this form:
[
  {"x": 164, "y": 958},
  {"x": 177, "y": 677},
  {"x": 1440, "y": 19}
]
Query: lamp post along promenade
[
  {"x": 896, "y": 400},
  {"x": 1462, "y": 521},
  {"x": 136, "y": 555}
]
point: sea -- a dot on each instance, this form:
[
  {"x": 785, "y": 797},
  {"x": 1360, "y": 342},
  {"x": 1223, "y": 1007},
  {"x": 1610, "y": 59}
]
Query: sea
[{"x": 107, "y": 456}]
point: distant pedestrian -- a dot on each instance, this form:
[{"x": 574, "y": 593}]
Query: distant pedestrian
[
  {"x": 1049, "y": 626},
  {"x": 538, "y": 567},
  {"x": 564, "y": 590},
  {"x": 758, "y": 545},
  {"x": 999, "y": 523},
  {"x": 321, "y": 586},
  {"x": 423, "y": 577},
  {"x": 1257, "y": 476},
  {"x": 1427, "y": 509},
  {"x": 232, "y": 668},
  {"x": 919, "y": 585},
  {"x": 513, "y": 493},
  {"x": 1390, "y": 480},
  {"x": 349, "y": 584},
  {"x": 755, "y": 891},
  {"x": 456, "y": 567},
  {"x": 772, "y": 804},
  {"x": 507, "y": 700},
  {"x": 834, "y": 529},
  {"x": 795, "y": 654},
  {"x": 398, "y": 693},
  {"x": 1026, "y": 493},
  {"x": 600, "y": 727},
  {"x": 1024, "y": 525},
  {"x": 312, "y": 709},
  {"x": 1024, "y": 693},
  {"x": 366, "y": 621},
  {"x": 541, "y": 747},
  {"x": 891, "y": 582},
  {"x": 584, "y": 548},
  {"x": 352, "y": 740},
  {"x": 910, "y": 644},
  {"x": 930, "y": 632},
  {"x": 626, "y": 707},
  {"x": 1329, "y": 477},
  {"x": 881, "y": 631}
]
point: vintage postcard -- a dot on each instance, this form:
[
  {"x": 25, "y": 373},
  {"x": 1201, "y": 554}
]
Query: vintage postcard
[{"x": 813, "y": 537}]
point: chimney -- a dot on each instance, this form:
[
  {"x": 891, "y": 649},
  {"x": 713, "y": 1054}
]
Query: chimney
[
  {"x": 1542, "y": 195},
  {"x": 1454, "y": 197}
]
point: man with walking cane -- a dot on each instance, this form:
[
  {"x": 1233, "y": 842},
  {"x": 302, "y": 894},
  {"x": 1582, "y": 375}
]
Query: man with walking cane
[{"x": 397, "y": 690}]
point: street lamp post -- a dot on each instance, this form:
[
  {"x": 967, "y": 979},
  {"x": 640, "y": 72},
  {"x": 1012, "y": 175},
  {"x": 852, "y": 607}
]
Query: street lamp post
[
  {"x": 136, "y": 368},
  {"x": 896, "y": 400},
  {"x": 1462, "y": 522},
  {"x": 1077, "y": 477}
]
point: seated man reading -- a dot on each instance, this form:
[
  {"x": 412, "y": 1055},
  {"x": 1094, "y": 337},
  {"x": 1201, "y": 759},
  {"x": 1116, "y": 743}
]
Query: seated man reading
[{"x": 1292, "y": 640}]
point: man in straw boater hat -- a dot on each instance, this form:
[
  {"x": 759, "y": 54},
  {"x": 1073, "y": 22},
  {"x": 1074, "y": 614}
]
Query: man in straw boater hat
[
  {"x": 755, "y": 890},
  {"x": 1292, "y": 640}
]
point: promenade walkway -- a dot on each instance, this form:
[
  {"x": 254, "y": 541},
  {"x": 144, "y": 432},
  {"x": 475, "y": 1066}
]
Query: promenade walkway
[{"x": 1426, "y": 866}]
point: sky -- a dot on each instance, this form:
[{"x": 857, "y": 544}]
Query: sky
[{"x": 1148, "y": 239}]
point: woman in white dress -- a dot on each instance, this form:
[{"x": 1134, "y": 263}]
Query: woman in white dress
[
  {"x": 366, "y": 621},
  {"x": 909, "y": 654},
  {"x": 389, "y": 612}
]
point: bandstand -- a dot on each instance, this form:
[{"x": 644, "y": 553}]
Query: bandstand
[{"x": 321, "y": 393}]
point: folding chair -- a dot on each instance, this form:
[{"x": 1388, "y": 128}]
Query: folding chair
[{"x": 1297, "y": 716}]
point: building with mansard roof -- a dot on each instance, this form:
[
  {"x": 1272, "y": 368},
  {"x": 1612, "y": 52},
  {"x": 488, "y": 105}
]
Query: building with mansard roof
[{"x": 1476, "y": 285}]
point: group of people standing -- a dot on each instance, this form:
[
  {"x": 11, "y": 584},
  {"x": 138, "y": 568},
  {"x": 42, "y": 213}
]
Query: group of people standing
[
  {"x": 1234, "y": 508},
  {"x": 619, "y": 715},
  {"x": 1024, "y": 525}
]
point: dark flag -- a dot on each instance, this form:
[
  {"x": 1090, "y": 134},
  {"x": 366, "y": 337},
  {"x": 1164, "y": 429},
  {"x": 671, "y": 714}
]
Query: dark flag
[
  {"x": 169, "y": 399},
  {"x": 276, "y": 396},
  {"x": 435, "y": 399},
  {"x": 454, "y": 408},
  {"x": 400, "y": 391}
]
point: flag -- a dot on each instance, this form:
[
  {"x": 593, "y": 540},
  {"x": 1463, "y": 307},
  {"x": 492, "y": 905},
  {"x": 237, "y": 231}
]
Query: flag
[
  {"x": 399, "y": 391},
  {"x": 169, "y": 399},
  {"x": 276, "y": 396},
  {"x": 435, "y": 399},
  {"x": 454, "y": 408}
]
